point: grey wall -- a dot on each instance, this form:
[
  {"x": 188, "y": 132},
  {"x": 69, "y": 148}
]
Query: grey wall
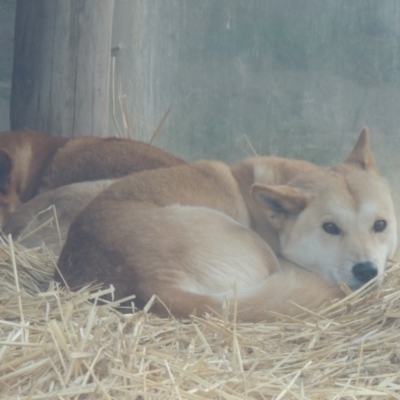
[{"x": 296, "y": 78}]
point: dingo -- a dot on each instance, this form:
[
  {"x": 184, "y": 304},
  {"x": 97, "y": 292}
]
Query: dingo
[
  {"x": 184, "y": 234},
  {"x": 45, "y": 219},
  {"x": 31, "y": 162}
]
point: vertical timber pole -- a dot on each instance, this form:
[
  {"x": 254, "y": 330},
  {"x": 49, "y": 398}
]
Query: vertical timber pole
[{"x": 61, "y": 68}]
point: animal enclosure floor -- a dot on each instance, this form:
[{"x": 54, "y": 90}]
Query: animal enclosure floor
[{"x": 59, "y": 345}]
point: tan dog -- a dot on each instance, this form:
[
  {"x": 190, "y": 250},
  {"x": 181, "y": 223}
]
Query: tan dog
[
  {"x": 31, "y": 163},
  {"x": 45, "y": 219},
  {"x": 183, "y": 234}
]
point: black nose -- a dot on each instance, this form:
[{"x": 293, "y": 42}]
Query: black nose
[{"x": 365, "y": 271}]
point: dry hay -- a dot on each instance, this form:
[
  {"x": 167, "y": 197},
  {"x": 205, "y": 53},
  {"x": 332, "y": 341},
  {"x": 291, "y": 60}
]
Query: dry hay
[{"x": 59, "y": 345}]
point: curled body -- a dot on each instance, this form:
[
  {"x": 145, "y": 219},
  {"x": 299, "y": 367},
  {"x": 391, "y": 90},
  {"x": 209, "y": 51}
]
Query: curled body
[{"x": 266, "y": 232}]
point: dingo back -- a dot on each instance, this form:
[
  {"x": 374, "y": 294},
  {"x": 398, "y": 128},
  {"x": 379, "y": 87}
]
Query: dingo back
[{"x": 31, "y": 162}]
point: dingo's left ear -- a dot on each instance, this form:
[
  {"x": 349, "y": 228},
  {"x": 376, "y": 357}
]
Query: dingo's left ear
[
  {"x": 361, "y": 154},
  {"x": 278, "y": 202}
]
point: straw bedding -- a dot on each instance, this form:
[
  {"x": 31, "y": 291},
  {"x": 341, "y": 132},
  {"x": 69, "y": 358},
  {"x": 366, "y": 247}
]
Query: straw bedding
[{"x": 60, "y": 345}]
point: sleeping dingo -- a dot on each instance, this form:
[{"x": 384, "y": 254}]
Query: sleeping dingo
[
  {"x": 186, "y": 234},
  {"x": 32, "y": 163}
]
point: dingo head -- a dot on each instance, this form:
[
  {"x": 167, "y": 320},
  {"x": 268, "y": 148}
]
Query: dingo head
[{"x": 338, "y": 222}]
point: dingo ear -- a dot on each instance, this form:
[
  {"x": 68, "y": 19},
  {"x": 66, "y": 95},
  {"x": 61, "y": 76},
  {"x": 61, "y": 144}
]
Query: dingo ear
[
  {"x": 5, "y": 171},
  {"x": 278, "y": 202},
  {"x": 361, "y": 154}
]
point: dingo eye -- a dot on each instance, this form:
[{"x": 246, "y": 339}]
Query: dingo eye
[
  {"x": 331, "y": 228},
  {"x": 380, "y": 225}
]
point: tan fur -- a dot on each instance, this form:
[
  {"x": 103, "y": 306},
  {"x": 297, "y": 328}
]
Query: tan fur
[
  {"x": 183, "y": 234},
  {"x": 31, "y": 163},
  {"x": 45, "y": 219}
]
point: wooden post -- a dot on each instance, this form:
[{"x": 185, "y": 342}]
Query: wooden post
[{"x": 61, "y": 69}]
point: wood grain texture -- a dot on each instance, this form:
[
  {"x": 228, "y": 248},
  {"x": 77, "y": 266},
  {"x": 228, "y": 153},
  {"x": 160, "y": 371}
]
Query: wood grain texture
[{"x": 61, "y": 66}]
